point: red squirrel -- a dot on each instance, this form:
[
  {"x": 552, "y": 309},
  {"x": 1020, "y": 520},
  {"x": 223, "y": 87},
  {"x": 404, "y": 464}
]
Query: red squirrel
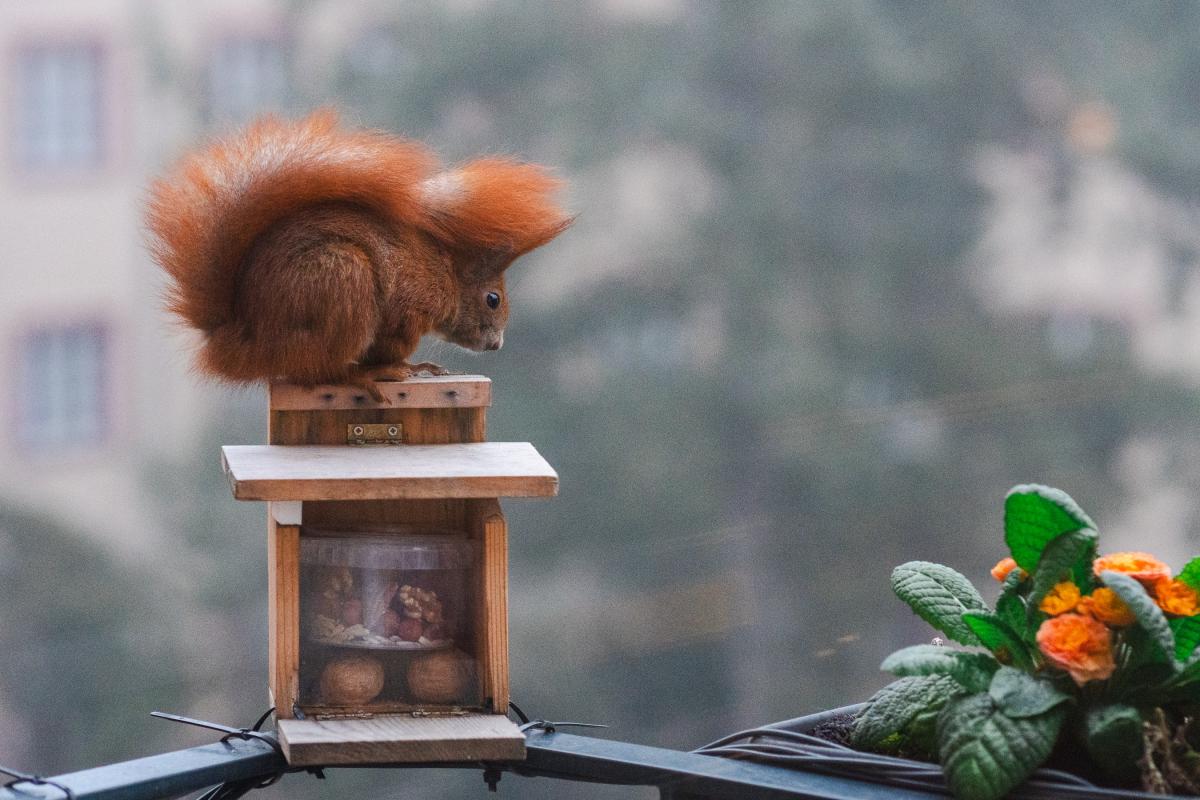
[{"x": 313, "y": 254}]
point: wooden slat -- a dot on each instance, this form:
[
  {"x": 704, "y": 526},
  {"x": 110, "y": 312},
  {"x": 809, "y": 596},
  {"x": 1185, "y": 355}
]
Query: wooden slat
[
  {"x": 489, "y": 528},
  {"x": 443, "y": 391},
  {"x": 283, "y": 579},
  {"x": 421, "y": 425},
  {"x": 484, "y": 469},
  {"x": 401, "y": 739}
]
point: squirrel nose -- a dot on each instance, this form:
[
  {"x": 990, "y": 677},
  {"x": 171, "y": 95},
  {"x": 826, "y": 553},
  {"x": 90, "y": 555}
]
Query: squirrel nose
[{"x": 495, "y": 343}]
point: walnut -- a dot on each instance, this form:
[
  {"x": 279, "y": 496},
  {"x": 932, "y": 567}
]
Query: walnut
[
  {"x": 420, "y": 604},
  {"x": 351, "y": 680},
  {"x": 440, "y": 677}
]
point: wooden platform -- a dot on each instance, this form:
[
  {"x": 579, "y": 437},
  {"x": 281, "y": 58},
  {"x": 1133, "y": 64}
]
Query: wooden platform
[
  {"x": 383, "y": 472},
  {"x": 401, "y": 739},
  {"x": 441, "y": 391}
]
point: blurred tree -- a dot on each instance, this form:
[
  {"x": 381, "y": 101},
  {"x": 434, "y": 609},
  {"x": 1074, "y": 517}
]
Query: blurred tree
[{"x": 81, "y": 662}]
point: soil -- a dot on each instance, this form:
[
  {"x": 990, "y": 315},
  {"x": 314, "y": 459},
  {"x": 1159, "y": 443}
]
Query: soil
[{"x": 836, "y": 730}]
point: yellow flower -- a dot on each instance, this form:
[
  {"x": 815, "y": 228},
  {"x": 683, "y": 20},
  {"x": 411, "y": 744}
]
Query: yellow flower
[
  {"x": 1143, "y": 566},
  {"x": 1005, "y": 566},
  {"x": 1105, "y": 606},
  {"x": 1176, "y": 597},
  {"x": 1078, "y": 644},
  {"x": 1061, "y": 599}
]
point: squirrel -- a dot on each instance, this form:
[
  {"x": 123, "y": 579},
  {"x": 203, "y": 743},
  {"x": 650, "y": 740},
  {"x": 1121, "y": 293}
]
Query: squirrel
[{"x": 308, "y": 253}]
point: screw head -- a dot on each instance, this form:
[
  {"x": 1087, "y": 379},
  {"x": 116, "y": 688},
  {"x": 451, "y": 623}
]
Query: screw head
[
  {"x": 392, "y": 430},
  {"x": 358, "y": 430}
]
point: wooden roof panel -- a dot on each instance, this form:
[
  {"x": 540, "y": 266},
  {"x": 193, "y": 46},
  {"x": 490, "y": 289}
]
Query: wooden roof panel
[{"x": 387, "y": 472}]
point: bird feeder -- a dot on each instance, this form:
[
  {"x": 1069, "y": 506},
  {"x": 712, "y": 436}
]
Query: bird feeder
[{"x": 388, "y": 570}]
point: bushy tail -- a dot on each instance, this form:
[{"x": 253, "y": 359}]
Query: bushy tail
[
  {"x": 495, "y": 204},
  {"x": 205, "y": 216}
]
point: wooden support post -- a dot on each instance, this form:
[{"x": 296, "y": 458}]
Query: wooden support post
[
  {"x": 283, "y": 578},
  {"x": 489, "y": 528}
]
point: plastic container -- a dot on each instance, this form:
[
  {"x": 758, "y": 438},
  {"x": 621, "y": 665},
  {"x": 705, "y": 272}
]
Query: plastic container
[{"x": 386, "y": 619}]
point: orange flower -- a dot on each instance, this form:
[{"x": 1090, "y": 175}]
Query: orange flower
[
  {"x": 1062, "y": 598},
  {"x": 1143, "y": 566},
  {"x": 1078, "y": 644},
  {"x": 1005, "y": 566},
  {"x": 1104, "y": 605},
  {"x": 1176, "y": 597}
]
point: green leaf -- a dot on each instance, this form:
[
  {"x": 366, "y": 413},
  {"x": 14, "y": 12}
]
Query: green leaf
[
  {"x": 1019, "y": 694},
  {"x": 995, "y": 635},
  {"x": 1061, "y": 560},
  {"x": 1034, "y": 516},
  {"x": 1112, "y": 735},
  {"x": 1187, "y": 636},
  {"x": 973, "y": 671},
  {"x": 1010, "y": 606},
  {"x": 986, "y": 753},
  {"x": 938, "y": 595},
  {"x": 920, "y": 737},
  {"x": 1190, "y": 574},
  {"x": 894, "y": 706},
  {"x": 1149, "y": 616}
]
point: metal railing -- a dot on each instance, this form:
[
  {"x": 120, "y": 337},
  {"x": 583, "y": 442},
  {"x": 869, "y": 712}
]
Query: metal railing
[{"x": 550, "y": 753}]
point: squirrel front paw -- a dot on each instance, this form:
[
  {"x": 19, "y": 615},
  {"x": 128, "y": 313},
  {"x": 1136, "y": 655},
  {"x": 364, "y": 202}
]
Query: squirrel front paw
[
  {"x": 368, "y": 378},
  {"x": 430, "y": 367}
]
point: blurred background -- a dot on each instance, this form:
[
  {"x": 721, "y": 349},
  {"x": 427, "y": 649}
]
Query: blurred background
[{"x": 843, "y": 274}]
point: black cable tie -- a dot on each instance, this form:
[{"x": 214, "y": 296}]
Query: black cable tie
[
  {"x": 230, "y": 733},
  {"x": 549, "y": 726},
  {"x": 238, "y": 788},
  {"x": 516, "y": 709},
  {"x": 33, "y": 780},
  {"x": 545, "y": 724}
]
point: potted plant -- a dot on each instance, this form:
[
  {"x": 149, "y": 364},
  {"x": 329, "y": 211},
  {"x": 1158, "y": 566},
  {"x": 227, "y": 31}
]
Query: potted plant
[{"x": 1086, "y": 662}]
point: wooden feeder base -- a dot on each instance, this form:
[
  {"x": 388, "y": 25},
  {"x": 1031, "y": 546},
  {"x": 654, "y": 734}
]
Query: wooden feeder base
[{"x": 401, "y": 739}]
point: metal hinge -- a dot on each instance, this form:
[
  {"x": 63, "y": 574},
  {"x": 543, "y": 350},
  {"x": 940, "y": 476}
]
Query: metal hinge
[{"x": 374, "y": 433}]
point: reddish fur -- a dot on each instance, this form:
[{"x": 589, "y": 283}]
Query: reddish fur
[{"x": 302, "y": 251}]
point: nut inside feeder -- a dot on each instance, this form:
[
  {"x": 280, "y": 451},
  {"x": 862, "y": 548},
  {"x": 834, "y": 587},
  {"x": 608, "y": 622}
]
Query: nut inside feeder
[{"x": 385, "y": 620}]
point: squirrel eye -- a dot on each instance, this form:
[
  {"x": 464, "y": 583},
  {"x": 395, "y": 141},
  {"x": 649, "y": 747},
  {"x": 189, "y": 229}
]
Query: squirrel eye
[{"x": 493, "y": 300}]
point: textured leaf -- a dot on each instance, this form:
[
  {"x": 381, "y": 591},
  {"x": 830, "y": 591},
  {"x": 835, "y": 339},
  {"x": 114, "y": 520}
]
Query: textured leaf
[
  {"x": 973, "y": 671},
  {"x": 894, "y": 706},
  {"x": 938, "y": 595},
  {"x": 998, "y": 637},
  {"x": 920, "y": 737},
  {"x": 1187, "y": 636},
  {"x": 1149, "y": 616},
  {"x": 1113, "y": 737},
  {"x": 1010, "y": 605},
  {"x": 1033, "y": 516},
  {"x": 985, "y": 753},
  {"x": 1190, "y": 574},
  {"x": 1065, "y": 557},
  {"x": 1019, "y": 694}
]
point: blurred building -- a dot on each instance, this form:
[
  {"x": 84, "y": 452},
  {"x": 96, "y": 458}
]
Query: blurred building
[{"x": 97, "y": 384}]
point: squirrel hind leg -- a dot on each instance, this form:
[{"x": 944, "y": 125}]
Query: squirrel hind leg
[
  {"x": 368, "y": 378},
  {"x": 307, "y": 320}
]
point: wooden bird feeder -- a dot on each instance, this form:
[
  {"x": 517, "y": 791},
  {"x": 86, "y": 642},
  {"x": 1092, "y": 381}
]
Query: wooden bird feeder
[{"x": 388, "y": 570}]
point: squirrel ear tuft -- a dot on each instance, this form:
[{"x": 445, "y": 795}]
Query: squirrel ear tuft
[{"x": 495, "y": 204}]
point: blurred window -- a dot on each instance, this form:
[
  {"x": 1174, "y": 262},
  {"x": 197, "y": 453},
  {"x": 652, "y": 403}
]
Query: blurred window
[
  {"x": 246, "y": 76},
  {"x": 62, "y": 385},
  {"x": 59, "y": 99}
]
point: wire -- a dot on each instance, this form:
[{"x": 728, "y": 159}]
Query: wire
[{"x": 797, "y": 750}]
